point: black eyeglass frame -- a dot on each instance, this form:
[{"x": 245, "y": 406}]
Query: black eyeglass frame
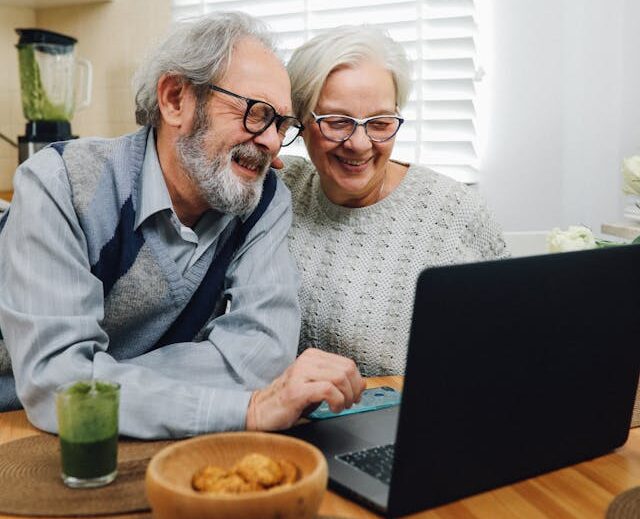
[
  {"x": 358, "y": 122},
  {"x": 279, "y": 119}
]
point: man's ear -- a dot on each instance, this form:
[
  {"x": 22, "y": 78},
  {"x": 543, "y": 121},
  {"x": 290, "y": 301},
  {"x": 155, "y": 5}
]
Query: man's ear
[{"x": 175, "y": 101}]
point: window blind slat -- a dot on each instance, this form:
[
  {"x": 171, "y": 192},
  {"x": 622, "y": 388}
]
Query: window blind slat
[
  {"x": 338, "y": 5},
  {"x": 373, "y": 16},
  {"x": 445, "y": 130},
  {"x": 450, "y": 48},
  {"x": 447, "y": 7},
  {"x": 448, "y": 68},
  {"x": 449, "y": 153},
  {"x": 178, "y": 4},
  {"x": 461, "y": 109},
  {"x": 448, "y": 89},
  {"x": 443, "y": 28}
]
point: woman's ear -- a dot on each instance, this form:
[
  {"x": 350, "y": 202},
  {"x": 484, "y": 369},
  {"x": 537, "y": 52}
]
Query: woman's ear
[{"x": 175, "y": 101}]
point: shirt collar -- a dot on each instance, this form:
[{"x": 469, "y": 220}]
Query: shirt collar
[{"x": 153, "y": 195}]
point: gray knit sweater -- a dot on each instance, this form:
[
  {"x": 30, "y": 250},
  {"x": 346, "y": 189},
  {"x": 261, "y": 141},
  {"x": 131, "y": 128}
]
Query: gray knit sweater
[{"x": 359, "y": 266}]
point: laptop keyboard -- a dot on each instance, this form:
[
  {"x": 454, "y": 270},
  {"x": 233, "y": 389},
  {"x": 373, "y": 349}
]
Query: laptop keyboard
[{"x": 375, "y": 461}]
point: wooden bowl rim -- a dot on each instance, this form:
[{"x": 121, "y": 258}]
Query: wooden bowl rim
[{"x": 153, "y": 472}]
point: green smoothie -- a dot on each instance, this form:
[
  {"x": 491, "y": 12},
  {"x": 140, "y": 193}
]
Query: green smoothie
[
  {"x": 88, "y": 428},
  {"x": 89, "y": 459}
]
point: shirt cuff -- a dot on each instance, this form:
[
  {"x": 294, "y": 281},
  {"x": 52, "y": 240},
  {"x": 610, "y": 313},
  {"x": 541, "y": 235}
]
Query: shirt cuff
[{"x": 222, "y": 410}]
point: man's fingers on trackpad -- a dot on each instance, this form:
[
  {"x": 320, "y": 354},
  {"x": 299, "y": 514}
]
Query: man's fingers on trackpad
[{"x": 318, "y": 391}]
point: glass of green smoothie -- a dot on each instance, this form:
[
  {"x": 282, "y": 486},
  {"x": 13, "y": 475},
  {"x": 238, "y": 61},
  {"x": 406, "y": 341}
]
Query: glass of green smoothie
[{"x": 88, "y": 428}]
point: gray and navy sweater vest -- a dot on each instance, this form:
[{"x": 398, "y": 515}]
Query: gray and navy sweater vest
[{"x": 148, "y": 303}]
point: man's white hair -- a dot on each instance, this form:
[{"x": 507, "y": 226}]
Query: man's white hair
[{"x": 197, "y": 51}]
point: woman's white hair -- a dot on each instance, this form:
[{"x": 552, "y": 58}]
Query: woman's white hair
[
  {"x": 348, "y": 45},
  {"x": 198, "y": 51}
]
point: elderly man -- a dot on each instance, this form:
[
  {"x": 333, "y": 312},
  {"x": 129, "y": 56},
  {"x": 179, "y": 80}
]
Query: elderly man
[{"x": 159, "y": 259}]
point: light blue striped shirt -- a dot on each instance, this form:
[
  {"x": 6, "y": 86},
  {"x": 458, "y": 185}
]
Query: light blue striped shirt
[{"x": 51, "y": 308}]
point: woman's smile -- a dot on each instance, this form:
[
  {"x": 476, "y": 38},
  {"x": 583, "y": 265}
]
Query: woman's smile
[{"x": 353, "y": 165}]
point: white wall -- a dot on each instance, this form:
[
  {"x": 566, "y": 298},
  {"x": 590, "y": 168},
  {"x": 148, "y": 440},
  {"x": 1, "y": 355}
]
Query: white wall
[{"x": 563, "y": 109}]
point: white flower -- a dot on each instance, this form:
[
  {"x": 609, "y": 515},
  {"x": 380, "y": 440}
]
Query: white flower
[
  {"x": 631, "y": 175},
  {"x": 576, "y": 237}
]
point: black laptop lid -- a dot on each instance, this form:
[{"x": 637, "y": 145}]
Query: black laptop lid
[{"x": 515, "y": 367}]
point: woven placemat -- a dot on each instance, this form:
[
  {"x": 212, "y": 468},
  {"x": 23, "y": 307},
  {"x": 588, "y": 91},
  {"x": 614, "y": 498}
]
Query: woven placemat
[
  {"x": 625, "y": 505},
  {"x": 30, "y": 482}
]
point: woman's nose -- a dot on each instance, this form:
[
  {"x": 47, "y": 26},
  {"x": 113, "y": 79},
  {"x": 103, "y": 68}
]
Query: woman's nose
[{"x": 359, "y": 139}]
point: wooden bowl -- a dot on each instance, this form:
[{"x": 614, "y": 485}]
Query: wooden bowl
[{"x": 168, "y": 478}]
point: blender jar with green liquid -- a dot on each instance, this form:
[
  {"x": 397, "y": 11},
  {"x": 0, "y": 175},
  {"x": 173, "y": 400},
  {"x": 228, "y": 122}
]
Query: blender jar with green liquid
[{"x": 49, "y": 74}]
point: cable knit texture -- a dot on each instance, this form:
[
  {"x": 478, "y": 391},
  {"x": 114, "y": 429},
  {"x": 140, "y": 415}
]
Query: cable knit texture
[{"x": 359, "y": 266}]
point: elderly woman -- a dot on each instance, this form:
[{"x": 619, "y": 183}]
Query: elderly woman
[{"x": 365, "y": 225}]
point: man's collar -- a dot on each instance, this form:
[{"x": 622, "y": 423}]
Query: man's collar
[{"x": 153, "y": 195}]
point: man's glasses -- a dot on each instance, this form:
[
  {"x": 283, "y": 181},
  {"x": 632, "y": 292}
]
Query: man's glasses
[
  {"x": 259, "y": 115},
  {"x": 339, "y": 128}
]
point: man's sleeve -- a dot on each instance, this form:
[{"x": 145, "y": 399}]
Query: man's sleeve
[
  {"x": 258, "y": 336},
  {"x": 51, "y": 307}
]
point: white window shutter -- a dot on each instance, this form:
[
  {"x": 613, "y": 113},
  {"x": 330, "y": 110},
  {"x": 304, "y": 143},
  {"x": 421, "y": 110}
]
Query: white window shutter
[{"x": 440, "y": 37}]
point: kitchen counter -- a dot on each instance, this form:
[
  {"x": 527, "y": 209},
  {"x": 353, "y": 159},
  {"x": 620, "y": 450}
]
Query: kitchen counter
[{"x": 626, "y": 230}]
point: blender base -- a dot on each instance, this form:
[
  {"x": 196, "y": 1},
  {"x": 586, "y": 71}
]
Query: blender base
[{"x": 39, "y": 134}]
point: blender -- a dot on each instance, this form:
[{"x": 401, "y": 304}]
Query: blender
[{"x": 49, "y": 72}]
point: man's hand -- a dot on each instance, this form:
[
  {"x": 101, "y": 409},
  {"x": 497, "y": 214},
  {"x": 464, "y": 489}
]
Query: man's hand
[{"x": 315, "y": 376}]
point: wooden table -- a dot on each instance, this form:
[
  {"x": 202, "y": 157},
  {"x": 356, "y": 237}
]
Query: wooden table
[
  {"x": 6, "y": 195},
  {"x": 582, "y": 491}
]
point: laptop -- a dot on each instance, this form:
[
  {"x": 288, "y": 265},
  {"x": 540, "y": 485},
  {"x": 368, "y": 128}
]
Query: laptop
[{"x": 515, "y": 367}]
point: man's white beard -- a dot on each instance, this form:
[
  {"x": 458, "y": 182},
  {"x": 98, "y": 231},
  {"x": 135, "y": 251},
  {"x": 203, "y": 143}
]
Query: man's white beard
[{"x": 218, "y": 184}]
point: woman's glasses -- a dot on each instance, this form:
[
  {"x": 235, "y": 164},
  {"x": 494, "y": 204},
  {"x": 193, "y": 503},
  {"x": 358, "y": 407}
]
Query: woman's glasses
[{"x": 339, "y": 128}]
